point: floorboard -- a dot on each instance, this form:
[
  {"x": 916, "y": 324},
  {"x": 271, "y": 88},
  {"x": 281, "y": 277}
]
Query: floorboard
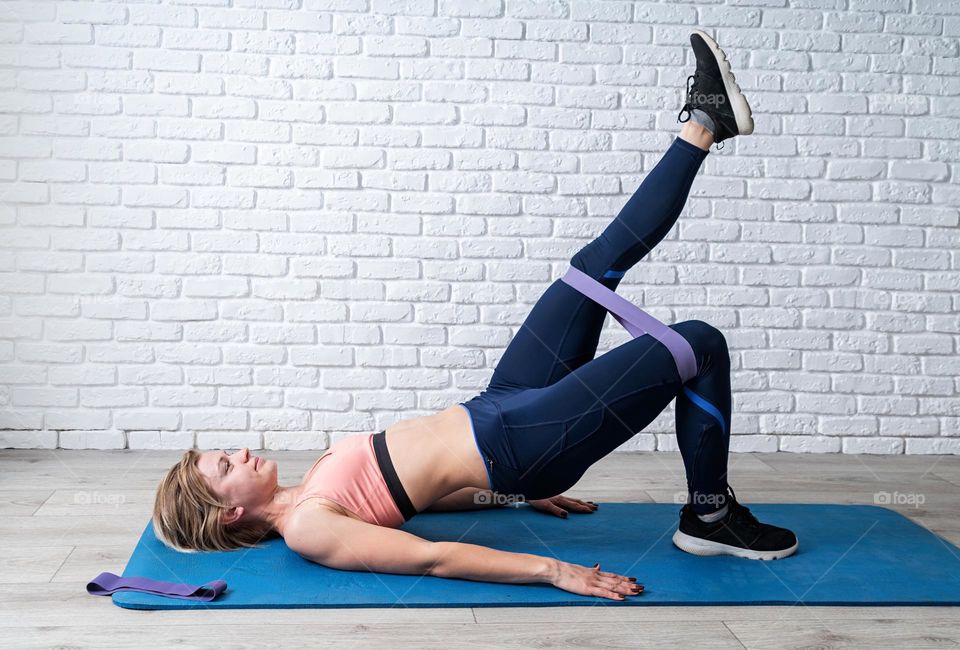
[{"x": 68, "y": 515}]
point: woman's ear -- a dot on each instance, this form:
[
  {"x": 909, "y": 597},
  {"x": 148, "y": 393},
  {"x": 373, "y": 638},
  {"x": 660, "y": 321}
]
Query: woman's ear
[{"x": 232, "y": 515}]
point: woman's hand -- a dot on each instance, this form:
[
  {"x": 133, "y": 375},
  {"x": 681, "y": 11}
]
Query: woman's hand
[
  {"x": 591, "y": 581},
  {"x": 560, "y": 505}
]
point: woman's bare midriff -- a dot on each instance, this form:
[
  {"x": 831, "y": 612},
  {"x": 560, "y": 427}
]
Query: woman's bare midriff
[{"x": 433, "y": 456}]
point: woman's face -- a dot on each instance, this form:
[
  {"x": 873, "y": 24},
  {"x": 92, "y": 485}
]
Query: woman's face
[{"x": 239, "y": 479}]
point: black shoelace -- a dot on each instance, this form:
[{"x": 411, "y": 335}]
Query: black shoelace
[
  {"x": 688, "y": 106},
  {"x": 742, "y": 513}
]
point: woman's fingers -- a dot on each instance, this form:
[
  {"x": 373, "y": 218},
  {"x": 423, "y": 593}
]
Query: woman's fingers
[
  {"x": 629, "y": 588},
  {"x": 548, "y": 506},
  {"x": 578, "y": 504},
  {"x": 614, "y": 579},
  {"x": 621, "y": 585},
  {"x": 620, "y": 590},
  {"x": 615, "y": 582}
]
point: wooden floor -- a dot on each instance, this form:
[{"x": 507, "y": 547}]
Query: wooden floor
[{"x": 68, "y": 515}]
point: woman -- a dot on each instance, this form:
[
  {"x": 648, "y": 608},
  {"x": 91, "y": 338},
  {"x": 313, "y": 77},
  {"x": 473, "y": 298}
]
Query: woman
[{"x": 551, "y": 410}]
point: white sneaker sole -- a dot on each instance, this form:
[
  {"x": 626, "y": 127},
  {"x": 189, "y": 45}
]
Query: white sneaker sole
[
  {"x": 741, "y": 109},
  {"x": 698, "y": 546}
]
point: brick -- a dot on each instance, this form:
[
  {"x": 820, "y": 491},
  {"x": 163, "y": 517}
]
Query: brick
[{"x": 107, "y": 439}]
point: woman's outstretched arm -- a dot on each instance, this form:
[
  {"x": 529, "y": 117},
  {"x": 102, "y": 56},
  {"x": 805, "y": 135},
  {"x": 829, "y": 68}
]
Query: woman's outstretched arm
[{"x": 342, "y": 542}]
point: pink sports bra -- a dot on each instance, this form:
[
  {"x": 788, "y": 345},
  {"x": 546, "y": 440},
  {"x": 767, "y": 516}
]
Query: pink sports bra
[{"x": 361, "y": 478}]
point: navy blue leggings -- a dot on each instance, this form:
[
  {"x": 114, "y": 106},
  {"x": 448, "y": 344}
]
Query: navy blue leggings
[{"x": 551, "y": 409}]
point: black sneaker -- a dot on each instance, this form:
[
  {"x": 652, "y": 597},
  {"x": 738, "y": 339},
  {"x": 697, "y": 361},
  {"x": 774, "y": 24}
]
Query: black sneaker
[
  {"x": 713, "y": 89},
  {"x": 738, "y": 533}
]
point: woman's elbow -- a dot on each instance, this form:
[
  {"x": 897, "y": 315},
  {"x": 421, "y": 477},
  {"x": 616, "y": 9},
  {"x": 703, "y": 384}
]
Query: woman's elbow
[{"x": 441, "y": 559}]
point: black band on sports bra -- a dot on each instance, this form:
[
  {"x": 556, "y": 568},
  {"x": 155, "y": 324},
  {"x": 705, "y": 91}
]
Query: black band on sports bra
[{"x": 390, "y": 476}]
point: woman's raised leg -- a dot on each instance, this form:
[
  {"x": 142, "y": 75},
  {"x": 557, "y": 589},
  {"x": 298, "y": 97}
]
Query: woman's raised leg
[
  {"x": 562, "y": 331},
  {"x": 551, "y": 434}
]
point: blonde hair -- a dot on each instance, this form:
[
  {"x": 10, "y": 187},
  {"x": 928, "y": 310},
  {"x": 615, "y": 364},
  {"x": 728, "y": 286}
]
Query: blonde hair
[{"x": 187, "y": 514}]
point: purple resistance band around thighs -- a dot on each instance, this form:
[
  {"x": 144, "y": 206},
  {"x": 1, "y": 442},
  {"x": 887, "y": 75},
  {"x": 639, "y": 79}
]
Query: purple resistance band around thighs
[
  {"x": 106, "y": 583},
  {"x": 635, "y": 320}
]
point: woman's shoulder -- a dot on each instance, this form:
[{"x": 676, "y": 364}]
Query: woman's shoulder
[{"x": 305, "y": 516}]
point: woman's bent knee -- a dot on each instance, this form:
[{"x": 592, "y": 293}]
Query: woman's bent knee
[{"x": 701, "y": 335}]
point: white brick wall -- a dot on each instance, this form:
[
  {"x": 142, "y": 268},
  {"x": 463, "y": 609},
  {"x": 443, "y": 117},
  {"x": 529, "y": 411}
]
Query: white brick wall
[{"x": 264, "y": 222}]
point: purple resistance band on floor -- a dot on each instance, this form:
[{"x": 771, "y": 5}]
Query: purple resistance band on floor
[
  {"x": 106, "y": 583},
  {"x": 635, "y": 320}
]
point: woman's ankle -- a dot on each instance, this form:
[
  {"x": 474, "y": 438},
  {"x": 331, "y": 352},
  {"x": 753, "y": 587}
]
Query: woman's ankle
[{"x": 697, "y": 135}]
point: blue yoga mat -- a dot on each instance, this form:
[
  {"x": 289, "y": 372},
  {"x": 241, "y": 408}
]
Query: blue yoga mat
[{"x": 848, "y": 555}]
